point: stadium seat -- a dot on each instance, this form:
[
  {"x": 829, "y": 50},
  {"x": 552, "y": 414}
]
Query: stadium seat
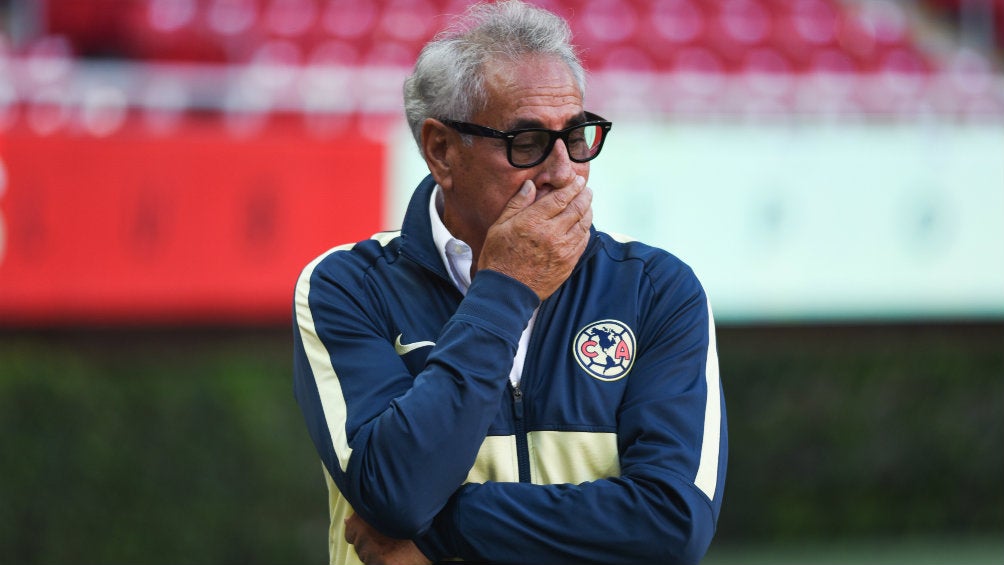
[
  {"x": 349, "y": 19},
  {"x": 334, "y": 53},
  {"x": 623, "y": 58},
  {"x": 733, "y": 36},
  {"x": 232, "y": 17},
  {"x": 678, "y": 22},
  {"x": 606, "y": 21},
  {"x": 407, "y": 20},
  {"x": 746, "y": 22},
  {"x": 291, "y": 18}
]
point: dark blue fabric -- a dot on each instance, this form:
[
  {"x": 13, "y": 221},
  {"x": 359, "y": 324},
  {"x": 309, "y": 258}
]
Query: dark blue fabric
[{"x": 416, "y": 421}]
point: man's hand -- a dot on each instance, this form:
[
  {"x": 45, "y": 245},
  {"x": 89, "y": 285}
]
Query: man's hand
[
  {"x": 539, "y": 243},
  {"x": 374, "y": 548}
]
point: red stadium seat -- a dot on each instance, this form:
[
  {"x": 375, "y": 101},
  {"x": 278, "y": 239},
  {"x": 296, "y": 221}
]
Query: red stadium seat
[
  {"x": 625, "y": 58},
  {"x": 156, "y": 31},
  {"x": 168, "y": 16},
  {"x": 735, "y": 28},
  {"x": 669, "y": 27},
  {"x": 334, "y": 53},
  {"x": 606, "y": 21},
  {"x": 856, "y": 36},
  {"x": 831, "y": 60},
  {"x": 698, "y": 60},
  {"x": 232, "y": 17},
  {"x": 764, "y": 37},
  {"x": 765, "y": 60},
  {"x": 904, "y": 61},
  {"x": 815, "y": 21},
  {"x": 291, "y": 18},
  {"x": 407, "y": 20},
  {"x": 390, "y": 54},
  {"x": 746, "y": 22},
  {"x": 677, "y": 22},
  {"x": 349, "y": 18},
  {"x": 887, "y": 22}
]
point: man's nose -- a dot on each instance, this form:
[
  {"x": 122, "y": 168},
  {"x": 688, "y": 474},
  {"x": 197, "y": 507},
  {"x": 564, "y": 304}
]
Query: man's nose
[{"x": 558, "y": 170}]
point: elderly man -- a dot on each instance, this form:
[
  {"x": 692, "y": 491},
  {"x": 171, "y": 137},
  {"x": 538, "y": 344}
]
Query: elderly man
[{"x": 498, "y": 381}]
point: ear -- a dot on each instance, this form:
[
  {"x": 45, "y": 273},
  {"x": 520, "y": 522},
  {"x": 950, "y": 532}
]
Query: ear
[{"x": 436, "y": 151}]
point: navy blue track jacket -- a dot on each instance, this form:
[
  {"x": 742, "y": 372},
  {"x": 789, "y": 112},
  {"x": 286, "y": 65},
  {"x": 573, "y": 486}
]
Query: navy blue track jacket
[{"x": 611, "y": 450}]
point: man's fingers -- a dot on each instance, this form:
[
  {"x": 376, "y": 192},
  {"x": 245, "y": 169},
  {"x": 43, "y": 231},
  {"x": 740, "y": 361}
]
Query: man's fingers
[
  {"x": 578, "y": 211},
  {"x": 586, "y": 219},
  {"x": 523, "y": 198},
  {"x": 550, "y": 206},
  {"x": 558, "y": 200},
  {"x": 581, "y": 205},
  {"x": 561, "y": 208}
]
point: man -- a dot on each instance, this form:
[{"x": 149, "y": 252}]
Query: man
[{"x": 499, "y": 382}]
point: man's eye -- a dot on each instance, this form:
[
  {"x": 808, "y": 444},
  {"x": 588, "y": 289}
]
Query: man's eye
[{"x": 529, "y": 142}]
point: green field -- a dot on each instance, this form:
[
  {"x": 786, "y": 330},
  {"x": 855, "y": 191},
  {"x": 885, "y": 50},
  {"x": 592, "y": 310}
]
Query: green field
[{"x": 891, "y": 551}]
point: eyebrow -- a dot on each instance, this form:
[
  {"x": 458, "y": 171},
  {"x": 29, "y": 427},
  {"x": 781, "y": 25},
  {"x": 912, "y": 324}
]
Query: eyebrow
[{"x": 529, "y": 123}]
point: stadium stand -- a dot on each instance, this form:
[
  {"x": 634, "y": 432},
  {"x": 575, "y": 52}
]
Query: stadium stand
[
  {"x": 742, "y": 57},
  {"x": 683, "y": 56},
  {"x": 662, "y": 35}
]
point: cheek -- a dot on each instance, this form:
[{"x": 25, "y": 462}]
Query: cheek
[
  {"x": 487, "y": 182},
  {"x": 500, "y": 192}
]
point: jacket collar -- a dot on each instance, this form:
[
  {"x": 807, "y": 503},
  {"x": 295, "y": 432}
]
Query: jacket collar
[{"x": 416, "y": 231}]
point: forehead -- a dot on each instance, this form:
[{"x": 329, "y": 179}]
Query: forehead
[{"x": 531, "y": 88}]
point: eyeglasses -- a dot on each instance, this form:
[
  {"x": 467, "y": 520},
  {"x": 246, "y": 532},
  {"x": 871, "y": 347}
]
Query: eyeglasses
[{"x": 529, "y": 147}]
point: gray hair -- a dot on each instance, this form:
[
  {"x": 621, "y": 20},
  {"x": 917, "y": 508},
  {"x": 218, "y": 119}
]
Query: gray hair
[{"x": 448, "y": 82}]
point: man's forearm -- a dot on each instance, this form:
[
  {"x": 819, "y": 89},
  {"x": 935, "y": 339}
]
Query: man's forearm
[{"x": 412, "y": 455}]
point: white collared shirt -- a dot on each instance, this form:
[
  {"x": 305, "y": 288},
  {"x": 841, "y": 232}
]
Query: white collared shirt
[{"x": 458, "y": 258}]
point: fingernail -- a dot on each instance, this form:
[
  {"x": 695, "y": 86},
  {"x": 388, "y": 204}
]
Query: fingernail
[{"x": 525, "y": 188}]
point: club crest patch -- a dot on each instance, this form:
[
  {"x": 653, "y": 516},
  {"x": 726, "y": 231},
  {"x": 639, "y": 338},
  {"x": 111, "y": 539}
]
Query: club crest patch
[{"x": 605, "y": 349}]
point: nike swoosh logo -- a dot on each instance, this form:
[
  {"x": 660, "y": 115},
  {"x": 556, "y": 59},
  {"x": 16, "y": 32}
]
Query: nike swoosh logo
[{"x": 402, "y": 348}]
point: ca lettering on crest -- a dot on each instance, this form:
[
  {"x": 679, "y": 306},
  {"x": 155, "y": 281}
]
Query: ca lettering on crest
[{"x": 605, "y": 349}]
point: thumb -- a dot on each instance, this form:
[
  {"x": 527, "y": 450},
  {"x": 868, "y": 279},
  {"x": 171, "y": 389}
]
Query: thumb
[{"x": 526, "y": 195}]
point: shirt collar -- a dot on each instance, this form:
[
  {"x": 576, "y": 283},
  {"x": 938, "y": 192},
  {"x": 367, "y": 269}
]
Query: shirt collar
[{"x": 456, "y": 254}]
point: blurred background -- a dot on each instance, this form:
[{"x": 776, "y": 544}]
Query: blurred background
[{"x": 833, "y": 170}]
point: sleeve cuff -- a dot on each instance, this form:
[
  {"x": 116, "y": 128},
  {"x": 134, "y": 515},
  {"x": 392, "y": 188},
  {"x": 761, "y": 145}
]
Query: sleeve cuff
[
  {"x": 499, "y": 303},
  {"x": 435, "y": 542}
]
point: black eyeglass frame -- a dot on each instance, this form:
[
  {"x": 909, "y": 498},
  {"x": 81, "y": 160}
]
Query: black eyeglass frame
[{"x": 553, "y": 136}]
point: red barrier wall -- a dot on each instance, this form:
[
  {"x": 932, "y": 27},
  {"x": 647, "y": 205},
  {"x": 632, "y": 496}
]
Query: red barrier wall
[{"x": 195, "y": 227}]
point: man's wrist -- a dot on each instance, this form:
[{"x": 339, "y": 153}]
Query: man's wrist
[
  {"x": 433, "y": 544},
  {"x": 499, "y": 301}
]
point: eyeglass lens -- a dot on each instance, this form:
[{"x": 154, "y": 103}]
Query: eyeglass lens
[{"x": 583, "y": 143}]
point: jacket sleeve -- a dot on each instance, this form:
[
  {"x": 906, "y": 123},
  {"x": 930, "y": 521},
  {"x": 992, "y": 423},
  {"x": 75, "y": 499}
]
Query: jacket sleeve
[
  {"x": 376, "y": 426},
  {"x": 672, "y": 441}
]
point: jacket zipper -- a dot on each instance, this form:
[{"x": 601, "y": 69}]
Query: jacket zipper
[
  {"x": 522, "y": 439},
  {"x": 522, "y": 445}
]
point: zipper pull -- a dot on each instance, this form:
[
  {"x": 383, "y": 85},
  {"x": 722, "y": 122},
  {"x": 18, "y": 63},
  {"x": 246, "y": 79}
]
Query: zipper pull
[{"x": 517, "y": 397}]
